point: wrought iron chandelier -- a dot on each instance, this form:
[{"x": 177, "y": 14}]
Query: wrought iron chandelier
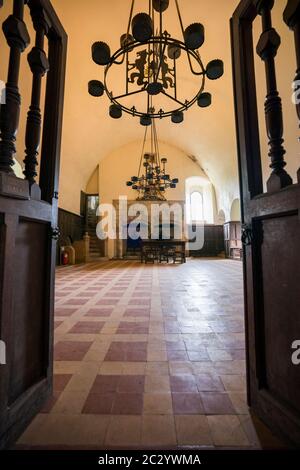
[
  {"x": 152, "y": 180},
  {"x": 151, "y": 59}
]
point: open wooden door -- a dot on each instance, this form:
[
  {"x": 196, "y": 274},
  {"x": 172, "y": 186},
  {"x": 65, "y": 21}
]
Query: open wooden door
[
  {"x": 271, "y": 230},
  {"x": 28, "y": 218}
]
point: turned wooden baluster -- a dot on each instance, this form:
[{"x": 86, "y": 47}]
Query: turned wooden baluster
[
  {"x": 39, "y": 66},
  {"x": 18, "y": 39},
  {"x": 267, "y": 48},
  {"x": 292, "y": 18}
]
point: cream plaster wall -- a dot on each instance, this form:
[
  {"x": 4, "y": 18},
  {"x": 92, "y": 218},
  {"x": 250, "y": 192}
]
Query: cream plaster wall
[
  {"x": 92, "y": 186},
  {"x": 118, "y": 167},
  {"x": 235, "y": 213}
]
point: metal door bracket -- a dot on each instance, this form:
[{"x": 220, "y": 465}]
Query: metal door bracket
[{"x": 247, "y": 234}]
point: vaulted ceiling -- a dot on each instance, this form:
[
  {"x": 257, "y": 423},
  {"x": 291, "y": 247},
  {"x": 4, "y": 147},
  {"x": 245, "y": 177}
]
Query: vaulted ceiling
[
  {"x": 208, "y": 135},
  {"x": 90, "y": 134}
]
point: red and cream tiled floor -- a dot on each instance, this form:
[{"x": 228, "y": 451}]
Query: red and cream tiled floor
[{"x": 149, "y": 357}]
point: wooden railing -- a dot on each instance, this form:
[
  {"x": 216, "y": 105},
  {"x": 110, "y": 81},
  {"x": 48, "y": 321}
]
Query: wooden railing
[
  {"x": 246, "y": 100},
  {"x": 28, "y": 214},
  {"x": 291, "y": 17},
  {"x": 47, "y": 27}
]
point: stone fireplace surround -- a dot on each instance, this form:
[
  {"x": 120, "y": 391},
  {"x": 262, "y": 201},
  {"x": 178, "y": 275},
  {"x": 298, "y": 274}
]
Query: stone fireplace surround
[{"x": 117, "y": 248}]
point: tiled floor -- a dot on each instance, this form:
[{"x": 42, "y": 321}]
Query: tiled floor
[{"x": 149, "y": 357}]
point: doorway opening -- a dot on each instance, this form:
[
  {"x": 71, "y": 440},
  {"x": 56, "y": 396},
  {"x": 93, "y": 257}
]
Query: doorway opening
[{"x": 154, "y": 355}]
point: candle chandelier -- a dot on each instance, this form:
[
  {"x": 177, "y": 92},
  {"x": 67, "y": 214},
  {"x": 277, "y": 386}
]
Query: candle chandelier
[
  {"x": 152, "y": 180},
  {"x": 151, "y": 59}
]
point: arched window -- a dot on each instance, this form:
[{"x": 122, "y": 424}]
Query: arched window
[
  {"x": 199, "y": 198},
  {"x": 196, "y": 207}
]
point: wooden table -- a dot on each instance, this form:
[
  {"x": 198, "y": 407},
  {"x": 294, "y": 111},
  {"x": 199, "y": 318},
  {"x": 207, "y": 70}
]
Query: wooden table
[{"x": 158, "y": 250}]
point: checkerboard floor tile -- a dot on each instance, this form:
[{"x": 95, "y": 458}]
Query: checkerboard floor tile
[{"x": 148, "y": 356}]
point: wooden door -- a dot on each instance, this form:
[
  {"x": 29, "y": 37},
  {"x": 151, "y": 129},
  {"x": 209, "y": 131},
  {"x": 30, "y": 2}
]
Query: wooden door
[
  {"x": 28, "y": 217},
  {"x": 271, "y": 223}
]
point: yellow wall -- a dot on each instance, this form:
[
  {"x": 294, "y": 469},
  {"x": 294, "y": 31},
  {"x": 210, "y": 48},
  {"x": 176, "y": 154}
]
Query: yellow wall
[
  {"x": 118, "y": 167},
  {"x": 92, "y": 186}
]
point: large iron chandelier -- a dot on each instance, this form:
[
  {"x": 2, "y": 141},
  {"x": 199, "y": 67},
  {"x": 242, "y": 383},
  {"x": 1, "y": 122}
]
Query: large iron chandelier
[
  {"x": 152, "y": 180},
  {"x": 151, "y": 58}
]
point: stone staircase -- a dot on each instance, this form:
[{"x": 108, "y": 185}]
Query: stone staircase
[{"x": 95, "y": 246}]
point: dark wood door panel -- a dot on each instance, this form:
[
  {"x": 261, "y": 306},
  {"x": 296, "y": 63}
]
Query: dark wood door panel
[
  {"x": 2, "y": 235},
  {"x": 38, "y": 210},
  {"x": 271, "y": 222},
  {"x": 30, "y": 312},
  {"x": 267, "y": 205},
  {"x": 280, "y": 276},
  {"x": 23, "y": 387},
  {"x": 28, "y": 224}
]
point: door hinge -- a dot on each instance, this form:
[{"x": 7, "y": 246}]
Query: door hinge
[
  {"x": 247, "y": 235},
  {"x": 55, "y": 233}
]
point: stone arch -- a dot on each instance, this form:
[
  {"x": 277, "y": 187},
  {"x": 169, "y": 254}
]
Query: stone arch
[
  {"x": 221, "y": 218},
  {"x": 235, "y": 211}
]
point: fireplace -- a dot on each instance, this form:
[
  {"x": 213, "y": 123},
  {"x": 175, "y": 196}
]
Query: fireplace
[{"x": 130, "y": 248}]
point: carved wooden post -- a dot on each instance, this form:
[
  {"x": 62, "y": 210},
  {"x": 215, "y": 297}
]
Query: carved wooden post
[
  {"x": 39, "y": 65},
  {"x": 267, "y": 48},
  {"x": 18, "y": 39},
  {"x": 292, "y": 18}
]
